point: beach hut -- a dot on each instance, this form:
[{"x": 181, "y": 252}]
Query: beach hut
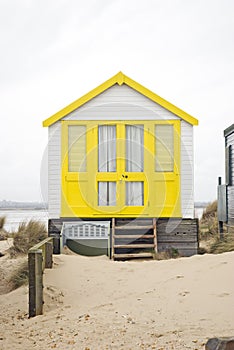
[
  {"x": 121, "y": 171},
  {"x": 226, "y": 191}
]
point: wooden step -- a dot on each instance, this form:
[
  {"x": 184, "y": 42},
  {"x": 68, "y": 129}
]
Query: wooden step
[
  {"x": 134, "y": 236},
  {"x": 136, "y": 255},
  {"x": 131, "y": 227},
  {"x": 151, "y": 245}
]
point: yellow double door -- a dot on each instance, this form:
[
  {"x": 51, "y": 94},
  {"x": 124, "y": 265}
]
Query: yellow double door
[{"x": 120, "y": 169}]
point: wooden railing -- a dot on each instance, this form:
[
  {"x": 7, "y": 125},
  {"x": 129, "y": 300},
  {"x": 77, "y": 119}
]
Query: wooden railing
[{"x": 39, "y": 258}]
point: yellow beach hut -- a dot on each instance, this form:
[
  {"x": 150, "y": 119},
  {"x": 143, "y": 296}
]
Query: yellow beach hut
[{"x": 120, "y": 162}]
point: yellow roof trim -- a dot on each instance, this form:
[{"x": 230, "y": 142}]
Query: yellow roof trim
[{"x": 120, "y": 79}]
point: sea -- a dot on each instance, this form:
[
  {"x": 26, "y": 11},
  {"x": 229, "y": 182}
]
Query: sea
[{"x": 16, "y": 216}]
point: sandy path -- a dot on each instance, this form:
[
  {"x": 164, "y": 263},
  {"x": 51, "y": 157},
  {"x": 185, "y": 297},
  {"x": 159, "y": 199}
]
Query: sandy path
[{"x": 95, "y": 303}]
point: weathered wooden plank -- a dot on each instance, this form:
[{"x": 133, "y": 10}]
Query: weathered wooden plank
[
  {"x": 133, "y": 221},
  {"x": 148, "y": 245},
  {"x": 177, "y": 234},
  {"x": 182, "y": 228},
  {"x": 165, "y": 221},
  {"x": 177, "y": 239},
  {"x": 48, "y": 255},
  {"x": 179, "y": 245},
  {"x": 123, "y": 236},
  {"x": 132, "y": 255},
  {"x": 134, "y": 227}
]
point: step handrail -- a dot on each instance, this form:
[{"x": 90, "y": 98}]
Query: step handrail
[{"x": 39, "y": 258}]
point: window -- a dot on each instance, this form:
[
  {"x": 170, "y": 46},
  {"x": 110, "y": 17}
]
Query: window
[
  {"x": 228, "y": 157},
  {"x": 134, "y": 193},
  {"x": 77, "y": 148},
  {"x": 107, "y": 148},
  {"x": 106, "y": 193},
  {"x": 135, "y": 148},
  {"x": 164, "y": 148}
]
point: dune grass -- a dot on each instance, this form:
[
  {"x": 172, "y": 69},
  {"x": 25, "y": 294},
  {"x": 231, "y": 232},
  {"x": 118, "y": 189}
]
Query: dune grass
[
  {"x": 3, "y": 233},
  {"x": 210, "y": 235},
  {"x": 27, "y": 236},
  {"x": 226, "y": 244},
  {"x": 2, "y": 221},
  {"x": 208, "y": 228},
  {"x": 209, "y": 222},
  {"x": 19, "y": 276}
]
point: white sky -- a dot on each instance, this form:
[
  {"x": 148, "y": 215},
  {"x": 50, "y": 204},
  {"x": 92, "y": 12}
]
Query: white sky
[{"x": 53, "y": 52}]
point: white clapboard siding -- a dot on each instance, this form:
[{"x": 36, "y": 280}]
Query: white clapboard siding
[
  {"x": 54, "y": 171},
  {"x": 187, "y": 161},
  {"x": 120, "y": 103},
  {"x": 230, "y": 142},
  {"x": 230, "y": 188}
]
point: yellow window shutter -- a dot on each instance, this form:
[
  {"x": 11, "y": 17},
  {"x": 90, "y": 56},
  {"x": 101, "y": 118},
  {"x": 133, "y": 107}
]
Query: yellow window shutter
[
  {"x": 77, "y": 148},
  {"x": 164, "y": 147}
]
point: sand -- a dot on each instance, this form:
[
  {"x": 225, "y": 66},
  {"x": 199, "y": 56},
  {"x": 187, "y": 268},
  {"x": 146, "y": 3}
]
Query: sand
[{"x": 95, "y": 303}]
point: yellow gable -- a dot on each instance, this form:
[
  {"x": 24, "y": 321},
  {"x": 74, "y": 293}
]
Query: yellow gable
[{"x": 120, "y": 79}]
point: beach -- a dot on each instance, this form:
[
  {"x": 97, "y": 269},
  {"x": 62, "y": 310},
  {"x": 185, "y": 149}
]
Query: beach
[{"x": 95, "y": 303}]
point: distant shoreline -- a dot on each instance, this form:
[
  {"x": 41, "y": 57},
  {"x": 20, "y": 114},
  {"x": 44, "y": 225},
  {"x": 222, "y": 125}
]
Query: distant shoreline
[{"x": 23, "y": 208}]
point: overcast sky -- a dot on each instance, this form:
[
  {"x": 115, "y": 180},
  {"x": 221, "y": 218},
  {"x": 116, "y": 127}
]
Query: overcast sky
[{"x": 53, "y": 52}]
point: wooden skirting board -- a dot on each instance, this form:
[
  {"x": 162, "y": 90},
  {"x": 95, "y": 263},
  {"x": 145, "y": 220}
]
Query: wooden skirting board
[{"x": 134, "y": 237}]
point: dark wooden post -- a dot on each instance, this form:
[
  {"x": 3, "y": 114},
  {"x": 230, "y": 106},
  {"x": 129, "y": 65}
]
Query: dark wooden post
[
  {"x": 220, "y": 222},
  {"x": 48, "y": 255},
  {"x": 56, "y": 243},
  {"x": 35, "y": 283},
  {"x": 155, "y": 235},
  {"x": 113, "y": 238}
]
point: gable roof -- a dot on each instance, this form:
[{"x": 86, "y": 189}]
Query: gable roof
[
  {"x": 120, "y": 79},
  {"x": 229, "y": 130}
]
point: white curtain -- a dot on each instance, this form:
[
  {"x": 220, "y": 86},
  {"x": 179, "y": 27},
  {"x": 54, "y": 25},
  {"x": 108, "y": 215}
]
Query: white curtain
[
  {"x": 107, "y": 193},
  {"x": 107, "y": 148},
  {"x": 134, "y": 193},
  {"x": 107, "y": 163},
  {"x": 134, "y": 163},
  {"x": 135, "y": 148}
]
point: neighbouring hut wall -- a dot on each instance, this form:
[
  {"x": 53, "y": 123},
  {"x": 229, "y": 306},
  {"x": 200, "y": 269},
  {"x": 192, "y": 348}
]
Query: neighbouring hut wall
[
  {"x": 230, "y": 198},
  {"x": 54, "y": 170},
  {"x": 229, "y": 140},
  {"x": 121, "y": 103}
]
